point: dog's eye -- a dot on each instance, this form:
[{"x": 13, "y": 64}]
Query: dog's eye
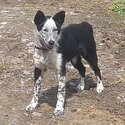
[
  {"x": 55, "y": 29},
  {"x": 45, "y": 30}
]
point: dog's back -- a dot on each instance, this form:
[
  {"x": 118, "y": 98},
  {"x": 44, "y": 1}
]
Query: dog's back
[{"x": 77, "y": 39}]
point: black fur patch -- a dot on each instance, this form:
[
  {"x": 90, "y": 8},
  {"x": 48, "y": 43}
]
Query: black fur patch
[{"x": 77, "y": 39}]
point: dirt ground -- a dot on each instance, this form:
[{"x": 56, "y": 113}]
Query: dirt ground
[{"x": 16, "y": 65}]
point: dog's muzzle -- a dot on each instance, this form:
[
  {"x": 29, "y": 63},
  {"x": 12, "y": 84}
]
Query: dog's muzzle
[
  {"x": 47, "y": 45},
  {"x": 50, "y": 44}
]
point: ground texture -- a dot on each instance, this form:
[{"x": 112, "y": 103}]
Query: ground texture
[{"x": 16, "y": 65}]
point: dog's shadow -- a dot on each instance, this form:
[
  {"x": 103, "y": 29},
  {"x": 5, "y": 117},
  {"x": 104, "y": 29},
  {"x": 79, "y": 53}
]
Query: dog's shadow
[{"x": 50, "y": 96}]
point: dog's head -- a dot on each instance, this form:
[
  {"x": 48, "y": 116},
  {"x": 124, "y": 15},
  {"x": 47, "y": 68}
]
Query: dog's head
[{"x": 48, "y": 28}]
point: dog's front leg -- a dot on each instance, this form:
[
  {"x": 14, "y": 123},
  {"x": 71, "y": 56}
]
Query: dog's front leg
[
  {"x": 37, "y": 86},
  {"x": 61, "y": 88}
]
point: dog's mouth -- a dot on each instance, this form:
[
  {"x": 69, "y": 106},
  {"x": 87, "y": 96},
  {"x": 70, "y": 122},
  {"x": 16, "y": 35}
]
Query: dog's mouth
[
  {"x": 49, "y": 46},
  {"x": 44, "y": 43}
]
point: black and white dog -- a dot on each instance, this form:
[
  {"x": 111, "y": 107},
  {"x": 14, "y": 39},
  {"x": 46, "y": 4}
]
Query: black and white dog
[{"x": 55, "y": 47}]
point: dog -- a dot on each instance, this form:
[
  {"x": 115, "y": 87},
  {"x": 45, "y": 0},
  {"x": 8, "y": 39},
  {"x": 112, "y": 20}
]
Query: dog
[{"x": 55, "y": 47}]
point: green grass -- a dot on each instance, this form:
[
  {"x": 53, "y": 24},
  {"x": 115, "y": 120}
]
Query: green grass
[{"x": 119, "y": 6}]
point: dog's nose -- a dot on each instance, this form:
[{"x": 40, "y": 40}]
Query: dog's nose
[{"x": 51, "y": 42}]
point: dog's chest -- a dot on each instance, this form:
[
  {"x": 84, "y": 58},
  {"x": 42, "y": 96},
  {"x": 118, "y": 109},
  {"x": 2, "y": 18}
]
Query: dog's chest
[
  {"x": 48, "y": 60},
  {"x": 51, "y": 60}
]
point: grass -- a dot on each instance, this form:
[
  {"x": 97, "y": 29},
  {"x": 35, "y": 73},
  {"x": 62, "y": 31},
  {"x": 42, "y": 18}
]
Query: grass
[{"x": 119, "y": 6}]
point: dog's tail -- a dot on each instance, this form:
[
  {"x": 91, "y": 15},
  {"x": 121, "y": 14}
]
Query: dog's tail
[{"x": 85, "y": 63}]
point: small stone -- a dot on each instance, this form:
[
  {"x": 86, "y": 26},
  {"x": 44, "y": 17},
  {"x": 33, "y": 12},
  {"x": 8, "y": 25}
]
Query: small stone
[
  {"x": 26, "y": 72},
  {"x": 36, "y": 114},
  {"x": 116, "y": 52},
  {"x": 71, "y": 13},
  {"x": 122, "y": 43},
  {"x": 78, "y": 110},
  {"x": 22, "y": 13},
  {"x": 26, "y": 40},
  {"x": 88, "y": 16},
  {"x": 2, "y": 27},
  {"x": 122, "y": 98},
  {"x": 103, "y": 41},
  {"x": 5, "y": 11},
  {"x": 3, "y": 23},
  {"x": 61, "y": 8},
  {"x": 73, "y": 110},
  {"x": 106, "y": 1}
]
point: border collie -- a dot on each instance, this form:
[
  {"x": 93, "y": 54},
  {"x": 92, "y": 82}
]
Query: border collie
[{"x": 55, "y": 47}]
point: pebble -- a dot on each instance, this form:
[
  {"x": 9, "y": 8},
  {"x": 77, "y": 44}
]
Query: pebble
[
  {"x": 122, "y": 43},
  {"x": 26, "y": 72},
  {"x": 3, "y": 23},
  {"x": 122, "y": 98},
  {"x": 88, "y": 16},
  {"x": 30, "y": 44},
  {"x": 5, "y": 11},
  {"x": 22, "y": 13},
  {"x": 36, "y": 114},
  {"x": 2, "y": 27},
  {"x": 71, "y": 13},
  {"x": 17, "y": 61},
  {"x": 26, "y": 40},
  {"x": 78, "y": 110},
  {"x": 107, "y": 1}
]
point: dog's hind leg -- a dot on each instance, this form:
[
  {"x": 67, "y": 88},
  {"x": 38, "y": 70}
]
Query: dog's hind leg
[
  {"x": 37, "y": 86},
  {"x": 61, "y": 88},
  {"x": 92, "y": 60},
  {"x": 96, "y": 69},
  {"x": 76, "y": 62}
]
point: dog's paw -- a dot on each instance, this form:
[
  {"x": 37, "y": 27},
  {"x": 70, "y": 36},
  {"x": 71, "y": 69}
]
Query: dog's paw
[
  {"x": 58, "y": 111},
  {"x": 99, "y": 88},
  {"x": 30, "y": 108},
  {"x": 80, "y": 87}
]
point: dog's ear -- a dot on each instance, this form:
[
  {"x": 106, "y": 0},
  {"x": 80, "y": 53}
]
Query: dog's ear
[
  {"x": 39, "y": 18},
  {"x": 59, "y": 17}
]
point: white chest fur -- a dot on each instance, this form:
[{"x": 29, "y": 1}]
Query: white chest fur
[{"x": 46, "y": 60}]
